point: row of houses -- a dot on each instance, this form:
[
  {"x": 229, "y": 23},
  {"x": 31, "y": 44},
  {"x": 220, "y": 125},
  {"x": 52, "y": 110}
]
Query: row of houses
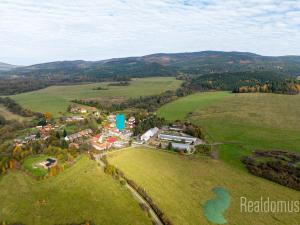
[{"x": 77, "y": 136}]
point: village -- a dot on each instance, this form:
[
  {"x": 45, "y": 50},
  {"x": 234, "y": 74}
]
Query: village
[{"x": 115, "y": 131}]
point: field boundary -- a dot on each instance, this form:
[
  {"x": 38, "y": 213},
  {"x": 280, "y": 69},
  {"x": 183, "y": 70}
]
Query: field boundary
[{"x": 153, "y": 211}]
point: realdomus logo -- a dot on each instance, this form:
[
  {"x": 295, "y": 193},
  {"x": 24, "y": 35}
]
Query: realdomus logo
[
  {"x": 215, "y": 208},
  {"x": 267, "y": 205}
]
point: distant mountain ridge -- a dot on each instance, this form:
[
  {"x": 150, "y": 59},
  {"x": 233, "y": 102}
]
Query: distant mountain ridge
[
  {"x": 167, "y": 64},
  {"x": 182, "y": 65},
  {"x": 6, "y": 67}
]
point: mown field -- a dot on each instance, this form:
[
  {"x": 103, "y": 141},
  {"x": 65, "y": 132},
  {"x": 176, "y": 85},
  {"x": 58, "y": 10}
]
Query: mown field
[
  {"x": 81, "y": 193},
  {"x": 242, "y": 122},
  {"x": 56, "y": 99},
  {"x": 181, "y": 185}
]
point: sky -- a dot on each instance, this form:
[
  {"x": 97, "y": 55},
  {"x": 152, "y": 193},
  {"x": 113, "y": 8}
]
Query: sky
[{"x": 36, "y": 31}]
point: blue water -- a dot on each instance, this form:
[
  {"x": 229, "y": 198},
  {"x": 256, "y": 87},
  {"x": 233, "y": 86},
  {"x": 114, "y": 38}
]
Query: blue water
[
  {"x": 120, "y": 121},
  {"x": 215, "y": 208}
]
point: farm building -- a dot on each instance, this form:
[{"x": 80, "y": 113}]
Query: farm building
[
  {"x": 181, "y": 146},
  {"x": 177, "y": 137},
  {"x": 149, "y": 134}
]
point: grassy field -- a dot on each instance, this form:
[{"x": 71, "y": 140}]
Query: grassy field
[
  {"x": 184, "y": 107},
  {"x": 247, "y": 121},
  {"x": 82, "y": 192},
  {"x": 30, "y": 165},
  {"x": 56, "y": 99},
  {"x": 181, "y": 185},
  {"x": 9, "y": 115}
]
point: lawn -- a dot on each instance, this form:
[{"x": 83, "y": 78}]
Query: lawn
[
  {"x": 82, "y": 192},
  {"x": 184, "y": 107},
  {"x": 249, "y": 121},
  {"x": 30, "y": 162},
  {"x": 181, "y": 185},
  {"x": 56, "y": 99}
]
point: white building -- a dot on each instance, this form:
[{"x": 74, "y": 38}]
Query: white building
[
  {"x": 74, "y": 119},
  {"x": 181, "y": 146},
  {"x": 149, "y": 134},
  {"x": 180, "y": 138}
]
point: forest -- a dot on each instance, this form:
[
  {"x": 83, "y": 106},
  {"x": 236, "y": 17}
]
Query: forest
[
  {"x": 242, "y": 82},
  {"x": 234, "y": 64},
  {"x": 278, "y": 166}
]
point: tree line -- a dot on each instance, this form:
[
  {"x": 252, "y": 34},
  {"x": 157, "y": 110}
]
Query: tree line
[
  {"x": 149, "y": 103},
  {"x": 31, "y": 82},
  {"x": 16, "y": 108},
  {"x": 241, "y": 82},
  {"x": 278, "y": 166}
]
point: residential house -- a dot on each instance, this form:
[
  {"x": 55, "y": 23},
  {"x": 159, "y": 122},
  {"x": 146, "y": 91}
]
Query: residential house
[
  {"x": 111, "y": 118},
  {"x": 29, "y": 138},
  {"x": 102, "y": 146},
  {"x": 74, "y": 119},
  {"x": 131, "y": 121},
  {"x": 114, "y": 132},
  {"x": 75, "y": 137},
  {"x": 120, "y": 144},
  {"x": 48, "y": 163},
  {"x": 78, "y": 110}
]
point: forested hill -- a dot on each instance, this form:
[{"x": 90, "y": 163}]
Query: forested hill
[
  {"x": 241, "y": 82},
  {"x": 23, "y": 79},
  {"x": 6, "y": 67},
  {"x": 167, "y": 64}
]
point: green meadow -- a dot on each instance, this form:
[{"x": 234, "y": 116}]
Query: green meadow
[
  {"x": 242, "y": 122},
  {"x": 181, "y": 185},
  {"x": 81, "y": 193},
  {"x": 30, "y": 165},
  {"x": 55, "y": 99}
]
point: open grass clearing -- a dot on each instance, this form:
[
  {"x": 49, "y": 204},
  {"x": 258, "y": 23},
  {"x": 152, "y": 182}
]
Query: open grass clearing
[
  {"x": 254, "y": 120},
  {"x": 30, "y": 164},
  {"x": 81, "y": 193},
  {"x": 180, "y": 185},
  {"x": 56, "y": 99}
]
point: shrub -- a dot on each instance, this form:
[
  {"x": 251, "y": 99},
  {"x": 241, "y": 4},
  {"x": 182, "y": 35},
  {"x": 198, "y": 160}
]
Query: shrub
[{"x": 110, "y": 169}]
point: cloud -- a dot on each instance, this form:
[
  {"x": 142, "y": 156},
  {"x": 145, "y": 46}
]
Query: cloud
[{"x": 38, "y": 31}]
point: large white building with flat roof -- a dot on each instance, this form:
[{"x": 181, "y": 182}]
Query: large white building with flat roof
[
  {"x": 149, "y": 134},
  {"x": 181, "y": 146},
  {"x": 179, "y": 138}
]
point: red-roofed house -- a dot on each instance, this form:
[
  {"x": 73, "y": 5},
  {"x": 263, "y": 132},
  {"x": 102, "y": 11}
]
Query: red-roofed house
[{"x": 111, "y": 140}]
